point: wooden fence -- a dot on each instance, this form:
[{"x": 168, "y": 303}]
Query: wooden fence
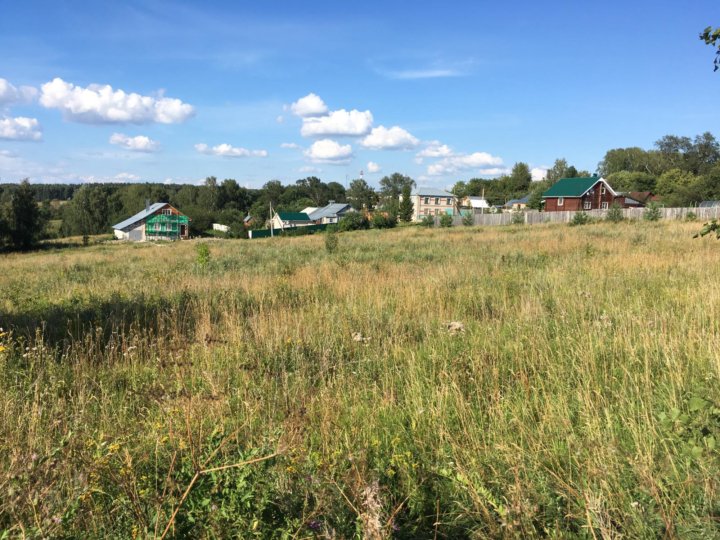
[{"x": 533, "y": 217}]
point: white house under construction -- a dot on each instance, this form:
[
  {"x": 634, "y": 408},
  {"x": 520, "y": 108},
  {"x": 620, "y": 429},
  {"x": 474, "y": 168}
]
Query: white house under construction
[{"x": 159, "y": 221}]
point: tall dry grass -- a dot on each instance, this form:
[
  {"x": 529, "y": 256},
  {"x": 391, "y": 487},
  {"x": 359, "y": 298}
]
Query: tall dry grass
[{"x": 580, "y": 399}]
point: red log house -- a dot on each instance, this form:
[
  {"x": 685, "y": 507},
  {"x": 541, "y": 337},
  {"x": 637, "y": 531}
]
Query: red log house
[{"x": 574, "y": 194}]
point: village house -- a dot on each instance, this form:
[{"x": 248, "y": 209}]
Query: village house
[
  {"x": 331, "y": 213},
  {"x": 475, "y": 203},
  {"x": 515, "y": 205},
  {"x": 432, "y": 202},
  {"x": 159, "y": 221},
  {"x": 290, "y": 220},
  {"x": 575, "y": 194}
]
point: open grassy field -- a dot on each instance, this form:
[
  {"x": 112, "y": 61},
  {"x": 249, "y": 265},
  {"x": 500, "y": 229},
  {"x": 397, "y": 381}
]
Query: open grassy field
[{"x": 281, "y": 391}]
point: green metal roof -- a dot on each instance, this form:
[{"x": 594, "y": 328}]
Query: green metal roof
[
  {"x": 571, "y": 187},
  {"x": 293, "y": 216}
]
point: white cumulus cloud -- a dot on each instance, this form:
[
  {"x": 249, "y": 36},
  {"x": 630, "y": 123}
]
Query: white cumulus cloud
[
  {"x": 435, "y": 149},
  {"x": 538, "y": 173},
  {"x": 13, "y": 94},
  {"x": 20, "y": 129},
  {"x": 310, "y": 105},
  {"x": 100, "y": 104},
  {"x": 394, "y": 138},
  {"x": 373, "y": 167},
  {"x": 484, "y": 163},
  {"x": 227, "y": 150},
  {"x": 338, "y": 123},
  {"x": 329, "y": 151},
  {"x": 139, "y": 143}
]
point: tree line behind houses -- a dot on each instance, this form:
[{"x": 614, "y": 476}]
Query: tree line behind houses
[{"x": 683, "y": 171}]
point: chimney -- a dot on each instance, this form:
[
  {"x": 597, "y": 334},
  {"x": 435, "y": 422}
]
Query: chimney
[
  {"x": 331, "y": 202},
  {"x": 147, "y": 205}
]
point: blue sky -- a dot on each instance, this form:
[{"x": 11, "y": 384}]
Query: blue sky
[{"x": 177, "y": 91}]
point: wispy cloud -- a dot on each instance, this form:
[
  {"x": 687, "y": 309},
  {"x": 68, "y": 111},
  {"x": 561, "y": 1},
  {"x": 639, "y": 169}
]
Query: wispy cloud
[
  {"x": 410, "y": 69},
  {"x": 424, "y": 73}
]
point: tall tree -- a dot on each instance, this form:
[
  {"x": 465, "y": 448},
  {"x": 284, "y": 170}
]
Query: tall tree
[
  {"x": 392, "y": 186},
  {"x": 23, "y": 218},
  {"x": 360, "y": 195},
  {"x": 519, "y": 179},
  {"x": 405, "y": 211},
  {"x": 88, "y": 212},
  {"x": 314, "y": 189},
  {"x": 336, "y": 192}
]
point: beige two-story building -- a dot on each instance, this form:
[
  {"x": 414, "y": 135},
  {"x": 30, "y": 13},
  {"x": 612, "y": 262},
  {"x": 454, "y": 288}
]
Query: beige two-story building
[{"x": 432, "y": 202}]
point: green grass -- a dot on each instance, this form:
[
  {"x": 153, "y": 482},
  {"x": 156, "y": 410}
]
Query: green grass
[{"x": 581, "y": 399}]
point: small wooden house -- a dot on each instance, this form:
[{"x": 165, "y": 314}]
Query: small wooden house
[
  {"x": 159, "y": 221},
  {"x": 575, "y": 194}
]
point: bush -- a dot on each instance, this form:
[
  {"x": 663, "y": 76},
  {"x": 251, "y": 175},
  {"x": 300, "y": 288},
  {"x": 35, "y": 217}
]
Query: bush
[
  {"x": 580, "y": 218},
  {"x": 615, "y": 214},
  {"x": 428, "y": 221},
  {"x": 446, "y": 220},
  {"x": 710, "y": 227},
  {"x": 354, "y": 221},
  {"x": 203, "y": 254},
  {"x": 518, "y": 218},
  {"x": 331, "y": 242},
  {"x": 381, "y": 221},
  {"x": 652, "y": 212},
  {"x": 468, "y": 220},
  {"x": 690, "y": 216}
]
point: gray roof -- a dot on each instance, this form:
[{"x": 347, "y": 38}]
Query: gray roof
[
  {"x": 150, "y": 210},
  {"x": 332, "y": 209},
  {"x": 709, "y": 204},
  {"x": 523, "y": 200},
  {"x": 431, "y": 192}
]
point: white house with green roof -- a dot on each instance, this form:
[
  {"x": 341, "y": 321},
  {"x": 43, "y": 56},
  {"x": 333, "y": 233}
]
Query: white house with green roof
[{"x": 290, "y": 220}]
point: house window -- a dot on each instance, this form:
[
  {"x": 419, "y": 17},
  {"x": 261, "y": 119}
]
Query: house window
[
  {"x": 437, "y": 200},
  {"x": 561, "y": 201},
  {"x": 427, "y": 200},
  {"x": 604, "y": 206},
  {"x": 437, "y": 211},
  {"x": 167, "y": 212},
  {"x": 425, "y": 211},
  {"x": 602, "y": 190},
  {"x": 587, "y": 205},
  {"x": 449, "y": 201}
]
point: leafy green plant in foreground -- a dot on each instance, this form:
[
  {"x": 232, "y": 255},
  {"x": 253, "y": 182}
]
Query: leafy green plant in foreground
[
  {"x": 203, "y": 255},
  {"x": 710, "y": 227}
]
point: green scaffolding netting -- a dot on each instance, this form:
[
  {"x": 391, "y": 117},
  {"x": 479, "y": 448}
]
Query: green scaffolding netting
[{"x": 165, "y": 225}]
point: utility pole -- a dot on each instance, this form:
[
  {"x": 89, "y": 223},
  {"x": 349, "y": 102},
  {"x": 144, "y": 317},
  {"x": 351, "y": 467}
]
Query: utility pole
[{"x": 272, "y": 232}]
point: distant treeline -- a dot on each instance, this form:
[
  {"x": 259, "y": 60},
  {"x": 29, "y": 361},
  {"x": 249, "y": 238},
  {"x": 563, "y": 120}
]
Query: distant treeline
[{"x": 683, "y": 171}]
